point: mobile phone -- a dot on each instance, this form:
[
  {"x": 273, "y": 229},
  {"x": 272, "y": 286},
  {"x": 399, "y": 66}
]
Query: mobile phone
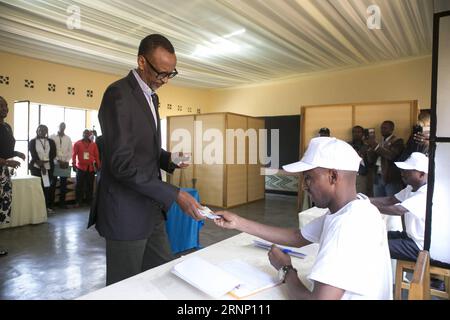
[
  {"x": 370, "y": 132},
  {"x": 366, "y": 133},
  {"x": 417, "y": 129}
]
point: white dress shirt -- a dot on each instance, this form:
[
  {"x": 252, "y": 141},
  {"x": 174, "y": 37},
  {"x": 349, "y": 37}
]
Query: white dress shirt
[
  {"x": 63, "y": 147},
  {"x": 147, "y": 93}
]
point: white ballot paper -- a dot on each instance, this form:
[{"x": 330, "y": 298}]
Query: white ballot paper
[
  {"x": 235, "y": 277},
  {"x": 207, "y": 212}
]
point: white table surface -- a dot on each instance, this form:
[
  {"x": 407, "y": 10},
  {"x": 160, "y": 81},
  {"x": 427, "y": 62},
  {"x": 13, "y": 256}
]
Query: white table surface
[
  {"x": 160, "y": 284},
  {"x": 28, "y": 202}
]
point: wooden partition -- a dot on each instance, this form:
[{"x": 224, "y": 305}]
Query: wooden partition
[
  {"x": 341, "y": 118},
  {"x": 255, "y": 180},
  {"x": 219, "y": 184}
]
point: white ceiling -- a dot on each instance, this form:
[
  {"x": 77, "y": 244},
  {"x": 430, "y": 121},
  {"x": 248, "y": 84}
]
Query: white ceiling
[{"x": 282, "y": 38}]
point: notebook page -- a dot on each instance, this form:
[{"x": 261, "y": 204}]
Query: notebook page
[
  {"x": 251, "y": 279},
  {"x": 205, "y": 276}
]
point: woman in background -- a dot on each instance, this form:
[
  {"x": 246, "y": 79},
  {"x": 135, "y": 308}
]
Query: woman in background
[
  {"x": 43, "y": 154},
  {"x": 7, "y": 165}
]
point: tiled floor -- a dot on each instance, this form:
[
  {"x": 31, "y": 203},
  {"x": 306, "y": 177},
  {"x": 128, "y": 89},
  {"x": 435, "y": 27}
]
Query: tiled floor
[{"x": 61, "y": 259}]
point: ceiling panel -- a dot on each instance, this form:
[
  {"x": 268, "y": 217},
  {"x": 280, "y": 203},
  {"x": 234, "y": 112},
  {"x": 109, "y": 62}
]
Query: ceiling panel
[{"x": 282, "y": 38}]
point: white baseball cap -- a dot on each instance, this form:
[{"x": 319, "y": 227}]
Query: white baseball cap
[
  {"x": 416, "y": 161},
  {"x": 327, "y": 152}
]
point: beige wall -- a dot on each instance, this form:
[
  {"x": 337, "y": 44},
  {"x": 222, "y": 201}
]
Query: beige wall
[
  {"x": 406, "y": 80},
  {"x": 189, "y": 99},
  {"x": 20, "y": 68}
]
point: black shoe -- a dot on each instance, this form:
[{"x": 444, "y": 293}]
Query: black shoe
[{"x": 3, "y": 252}]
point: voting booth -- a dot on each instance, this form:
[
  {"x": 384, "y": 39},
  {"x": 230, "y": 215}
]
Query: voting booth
[{"x": 225, "y": 169}]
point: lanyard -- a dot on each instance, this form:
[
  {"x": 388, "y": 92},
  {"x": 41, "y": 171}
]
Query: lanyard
[{"x": 43, "y": 144}]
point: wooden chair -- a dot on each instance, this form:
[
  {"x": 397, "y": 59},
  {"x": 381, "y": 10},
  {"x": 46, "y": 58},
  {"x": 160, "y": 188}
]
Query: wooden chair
[
  {"x": 419, "y": 288},
  {"x": 435, "y": 271}
]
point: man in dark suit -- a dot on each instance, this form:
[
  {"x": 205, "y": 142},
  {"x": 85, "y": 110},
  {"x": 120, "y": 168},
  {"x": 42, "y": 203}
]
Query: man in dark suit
[
  {"x": 388, "y": 180},
  {"x": 132, "y": 201}
]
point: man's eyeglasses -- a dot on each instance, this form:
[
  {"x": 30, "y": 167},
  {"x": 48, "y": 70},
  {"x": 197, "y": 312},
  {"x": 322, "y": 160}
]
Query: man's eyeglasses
[{"x": 162, "y": 75}]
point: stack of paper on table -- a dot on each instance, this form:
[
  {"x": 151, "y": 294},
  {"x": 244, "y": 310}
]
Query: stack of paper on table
[{"x": 235, "y": 277}]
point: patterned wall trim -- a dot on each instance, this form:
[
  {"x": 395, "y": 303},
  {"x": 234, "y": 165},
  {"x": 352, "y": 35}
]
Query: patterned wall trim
[
  {"x": 71, "y": 91},
  {"x": 282, "y": 183},
  {"x": 4, "y": 80},
  {"x": 29, "y": 83}
]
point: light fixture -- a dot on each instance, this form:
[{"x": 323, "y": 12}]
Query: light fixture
[{"x": 218, "y": 46}]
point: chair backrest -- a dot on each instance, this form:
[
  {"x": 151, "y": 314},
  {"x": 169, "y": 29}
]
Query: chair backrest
[{"x": 420, "y": 284}]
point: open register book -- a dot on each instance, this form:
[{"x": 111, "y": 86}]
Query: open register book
[{"x": 234, "y": 277}]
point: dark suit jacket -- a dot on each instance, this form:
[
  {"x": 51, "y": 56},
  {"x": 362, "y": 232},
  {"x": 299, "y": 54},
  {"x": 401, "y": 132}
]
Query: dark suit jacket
[
  {"x": 130, "y": 195},
  {"x": 389, "y": 153}
]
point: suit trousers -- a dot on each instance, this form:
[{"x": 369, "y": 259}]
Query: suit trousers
[
  {"x": 125, "y": 259},
  {"x": 84, "y": 190}
]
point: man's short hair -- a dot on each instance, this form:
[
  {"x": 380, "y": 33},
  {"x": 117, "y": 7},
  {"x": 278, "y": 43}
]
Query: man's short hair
[
  {"x": 324, "y": 131},
  {"x": 153, "y": 41},
  {"x": 390, "y": 123}
]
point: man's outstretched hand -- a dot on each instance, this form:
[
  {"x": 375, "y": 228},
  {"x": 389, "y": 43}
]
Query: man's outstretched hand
[{"x": 189, "y": 205}]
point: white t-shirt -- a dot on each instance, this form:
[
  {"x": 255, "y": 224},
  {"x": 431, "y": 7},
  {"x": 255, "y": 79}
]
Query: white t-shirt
[
  {"x": 415, "y": 203},
  {"x": 353, "y": 253}
]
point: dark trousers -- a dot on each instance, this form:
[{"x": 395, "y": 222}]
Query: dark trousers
[
  {"x": 125, "y": 259},
  {"x": 37, "y": 173},
  {"x": 62, "y": 190},
  {"x": 85, "y": 186},
  {"x": 401, "y": 246}
]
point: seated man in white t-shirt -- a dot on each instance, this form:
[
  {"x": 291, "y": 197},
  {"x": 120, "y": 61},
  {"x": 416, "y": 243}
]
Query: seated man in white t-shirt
[
  {"x": 409, "y": 203},
  {"x": 353, "y": 260}
]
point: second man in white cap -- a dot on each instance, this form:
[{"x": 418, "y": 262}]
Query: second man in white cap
[{"x": 409, "y": 203}]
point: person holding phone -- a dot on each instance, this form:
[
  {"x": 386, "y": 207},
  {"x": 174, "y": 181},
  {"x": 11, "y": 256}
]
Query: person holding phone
[
  {"x": 419, "y": 139},
  {"x": 360, "y": 145},
  {"x": 383, "y": 153}
]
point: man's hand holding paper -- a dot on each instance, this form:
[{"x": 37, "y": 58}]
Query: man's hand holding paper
[
  {"x": 182, "y": 160},
  {"x": 189, "y": 205},
  {"x": 228, "y": 220}
]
